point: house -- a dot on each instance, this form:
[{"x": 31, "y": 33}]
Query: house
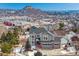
[
  {"x": 40, "y": 36},
  {"x": 51, "y": 26},
  {"x": 67, "y": 38},
  {"x": 67, "y": 42},
  {"x": 75, "y": 41},
  {"x": 9, "y": 23},
  {"x": 48, "y": 26},
  {"x": 44, "y": 38},
  {"x": 58, "y": 34}
]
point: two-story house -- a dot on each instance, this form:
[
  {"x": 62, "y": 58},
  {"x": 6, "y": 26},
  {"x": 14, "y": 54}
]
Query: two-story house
[{"x": 41, "y": 36}]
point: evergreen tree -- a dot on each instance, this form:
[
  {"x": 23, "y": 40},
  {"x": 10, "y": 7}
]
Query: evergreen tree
[
  {"x": 27, "y": 46},
  {"x": 61, "y": 25},
  {"x": 7, "y": 41},
  {"x": 75, "y": 30},
  {"x": 6, "y": 48},
  {"x": 9, "y": 36},
  {"x": 16, "y": 32},
  {"x": 15, "y": 39},
  {"x": 3, "y": 38}
]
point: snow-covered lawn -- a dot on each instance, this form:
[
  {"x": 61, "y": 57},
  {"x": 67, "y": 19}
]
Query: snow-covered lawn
[{"x": 57, "y": 52}]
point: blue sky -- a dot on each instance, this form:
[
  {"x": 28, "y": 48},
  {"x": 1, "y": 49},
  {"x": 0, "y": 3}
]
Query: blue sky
[{"x": 43, "y": 6}]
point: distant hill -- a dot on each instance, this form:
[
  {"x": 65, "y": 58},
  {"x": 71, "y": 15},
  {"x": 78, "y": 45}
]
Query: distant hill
[
  {"x": 27, "y": 10},
  {"x": 64, "y": 12},
  {"x": 33, "y": 12}
]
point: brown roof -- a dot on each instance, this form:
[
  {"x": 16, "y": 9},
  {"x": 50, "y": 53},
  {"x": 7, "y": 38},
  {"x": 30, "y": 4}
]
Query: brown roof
[
  {"x": 75, "y": 38},
  {"x": 60, "y": 32}
]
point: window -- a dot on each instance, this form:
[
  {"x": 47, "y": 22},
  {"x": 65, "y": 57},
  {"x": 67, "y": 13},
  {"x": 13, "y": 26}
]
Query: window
[
  {"x": 69, "y": 44},
  {"x": 38, "y": 35},
  {"x": 38, "y": 39},
  {"x": 32, "y": 36},
  {"x": 45, "y": 38},
  {"x": 32, "y": 42}
]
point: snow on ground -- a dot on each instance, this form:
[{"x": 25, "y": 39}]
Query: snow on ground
[{"x": 57, "y": 52}]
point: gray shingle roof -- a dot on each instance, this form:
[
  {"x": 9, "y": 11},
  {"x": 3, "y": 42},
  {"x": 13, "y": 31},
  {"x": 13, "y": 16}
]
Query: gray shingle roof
[
  {"x": 34, "y": 29},
  {"x": 38, "y": 30}
]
